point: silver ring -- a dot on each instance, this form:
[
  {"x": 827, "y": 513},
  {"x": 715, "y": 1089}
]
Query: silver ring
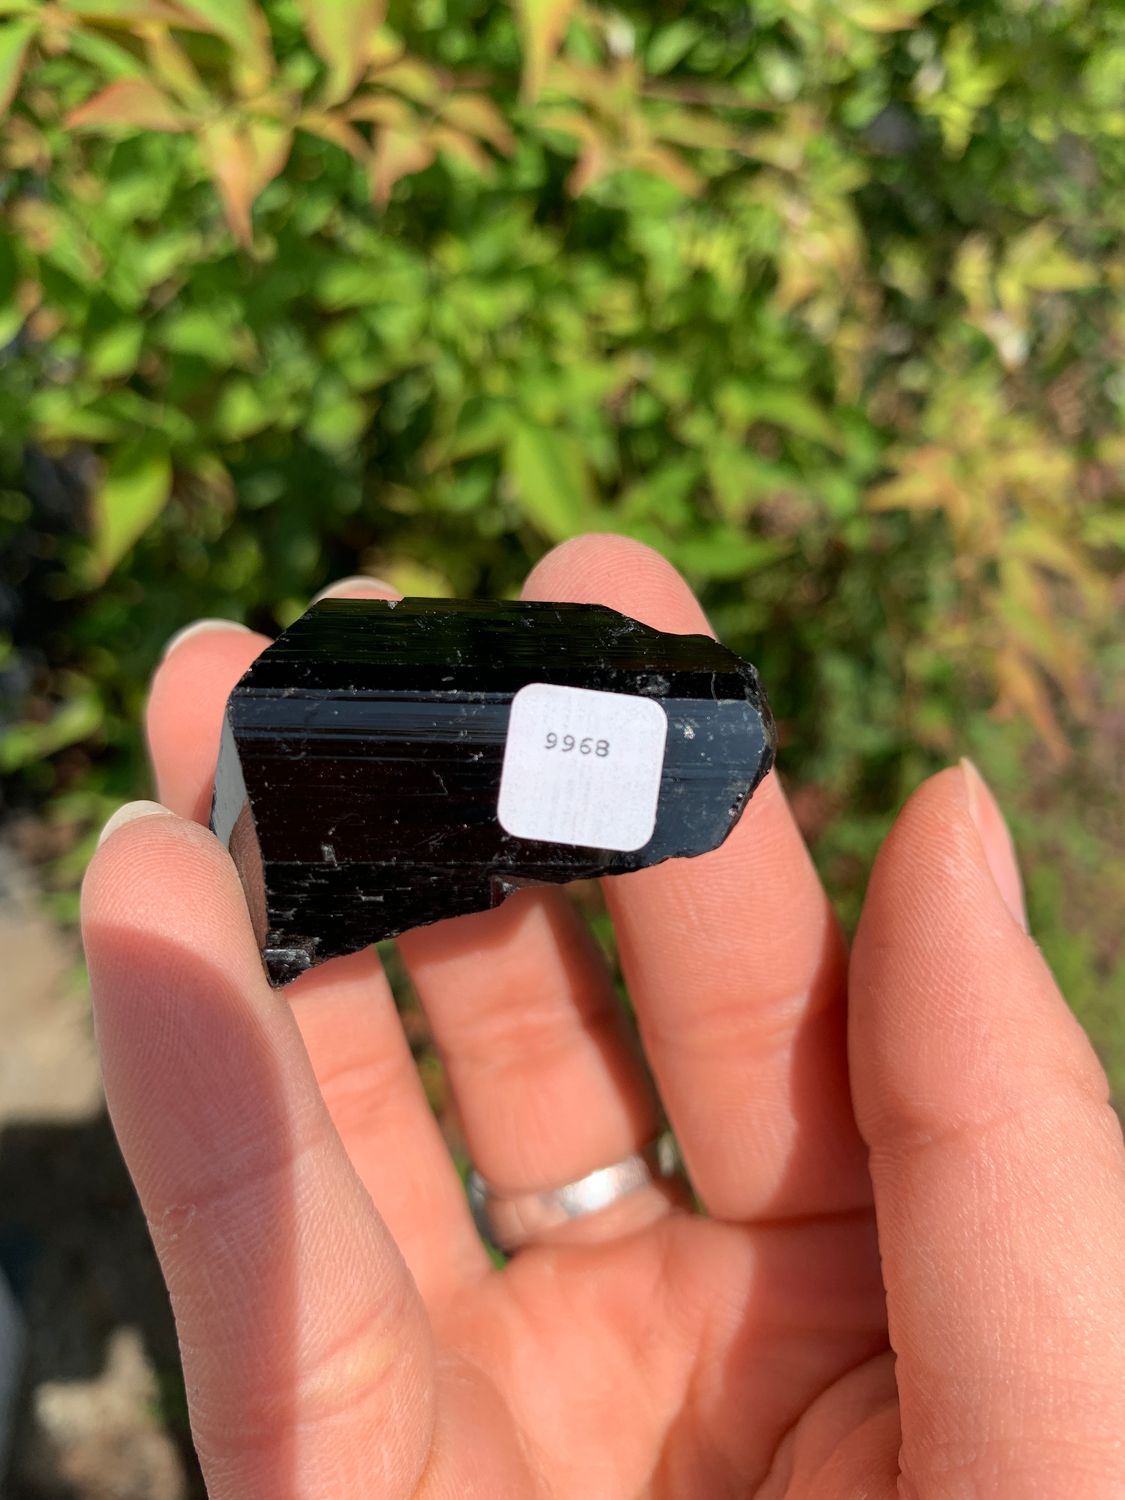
[{"x": 509, "y": 1221}]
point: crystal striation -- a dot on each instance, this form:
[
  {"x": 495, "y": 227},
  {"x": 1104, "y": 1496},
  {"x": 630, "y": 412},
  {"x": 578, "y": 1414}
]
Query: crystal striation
[{"x": 386, "y": 764}]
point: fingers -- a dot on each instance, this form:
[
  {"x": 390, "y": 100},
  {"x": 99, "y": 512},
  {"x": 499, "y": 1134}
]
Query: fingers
[
  {"x": 362, "y": 1061},
  {"x": 548, "y": 1080},
  {"x": 548, "y": 1083},
  {"x": 998, "y": 1168},
  {"x": 734, "y": 963},
  {"x": 344, "y": 1009},
  {"x": 306, "y": 1351},
  {"x": 184, "y": 713}
]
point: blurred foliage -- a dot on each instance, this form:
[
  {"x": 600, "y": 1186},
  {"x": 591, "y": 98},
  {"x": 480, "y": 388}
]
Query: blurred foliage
[{"x": 823, "y": 298}]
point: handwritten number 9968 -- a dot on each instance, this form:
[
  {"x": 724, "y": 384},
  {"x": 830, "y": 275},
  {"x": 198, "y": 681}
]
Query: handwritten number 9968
[{"x": 567, "y": 743}]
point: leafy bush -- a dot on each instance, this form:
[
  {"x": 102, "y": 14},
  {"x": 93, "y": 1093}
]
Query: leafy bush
[{"x": 821, "y": 297}]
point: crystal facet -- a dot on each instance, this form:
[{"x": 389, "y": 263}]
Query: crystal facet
[{"x": 386, "y": 764}]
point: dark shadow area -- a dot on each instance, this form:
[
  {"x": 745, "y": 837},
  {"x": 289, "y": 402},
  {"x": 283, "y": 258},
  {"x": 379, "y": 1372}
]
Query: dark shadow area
[{"x": 76, "y": 1251}]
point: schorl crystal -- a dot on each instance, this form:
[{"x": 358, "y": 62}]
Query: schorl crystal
[{"x": 384, "y": 765}]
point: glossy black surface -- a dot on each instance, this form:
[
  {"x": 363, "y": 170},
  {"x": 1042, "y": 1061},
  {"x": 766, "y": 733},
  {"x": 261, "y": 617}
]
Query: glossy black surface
[{"x": 359, "y": 771}]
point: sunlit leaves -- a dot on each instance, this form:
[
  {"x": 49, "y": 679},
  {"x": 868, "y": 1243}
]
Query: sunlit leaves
[
  {"x": 1007, "y": 495},
  {"x": 11, "y": 314},
  {"x": 955, "y": 91},
  {"x": 74, "y": 721},
  {"x": 618, "y": 127},
  {"x": 543, "y": 24},
  {"x": 1005, "y": 287},
  {"x": 342, "y": 31},
  {"x": 241, "y": 24},
  {"x": 550, "y": 480},
  {"x": 778, "y": 291},
  {"x": 243, "y": 158},
  {"x": 174, "y": 70},
  {"x": 886, "y": 15},
  {"x": 133, "y": 491},
  {"x": 134, "y": 103},
  {"x": 478, "y": 116},
  {"x": 15, "y": 38},
  {"x": 397, "y": 155}
]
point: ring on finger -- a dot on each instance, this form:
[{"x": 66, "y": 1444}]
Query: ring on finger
[{"x": 509, "y": 1221}]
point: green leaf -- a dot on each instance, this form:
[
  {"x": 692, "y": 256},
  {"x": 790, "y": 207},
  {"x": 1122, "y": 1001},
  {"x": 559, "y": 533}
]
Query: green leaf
[
  {"x": 11, "y": 314},
  {"x": 744, "y": 404},
  {"x": 111, "y": 60},
  {"x": 24, "y": 744},
  {"x": 15, "y": 38},
  {"x": 671, "y": 44},
  {"x": 240, "y": 23},
  {"x": 342, "y": 32},
  {"x": 338, "y": 421},
  {"x": 134, "y": 490},
  {"x": 61, "y": 415},
  {"x": 118, "y": 11},
  {"x": 482, "y": 427},
  {"x": 551, "y": 480},
  {"x": 113, "y": 352},
  {"x": 726, "y": 553},
  {"x": 206, "y": 333},
  {"x": 241, "y": 411},
  {"x": 887, "y": 15},
  {"x": 543, "y": 25}
]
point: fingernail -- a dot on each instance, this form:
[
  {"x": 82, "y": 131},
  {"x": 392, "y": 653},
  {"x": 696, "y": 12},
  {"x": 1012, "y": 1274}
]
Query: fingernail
[
  {"x": 126, "y": 814},
  {"x": 198, "y": 627},
  {"x": 344, "y": 586},
  {"x": 997, "y": 840}
]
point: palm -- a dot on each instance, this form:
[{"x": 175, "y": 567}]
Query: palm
[{"x": 672, "y": 1362}]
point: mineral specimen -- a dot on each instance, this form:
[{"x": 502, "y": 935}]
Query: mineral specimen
[{"x": 383, "y": 765}]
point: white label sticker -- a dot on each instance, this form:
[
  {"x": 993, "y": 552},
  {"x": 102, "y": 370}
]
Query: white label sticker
[{"x": 582, "y": 767}]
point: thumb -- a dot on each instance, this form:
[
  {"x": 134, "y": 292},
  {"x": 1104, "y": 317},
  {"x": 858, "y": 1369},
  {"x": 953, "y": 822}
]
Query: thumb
[
  {"x": 306, "y": 1351},
  {"x": 998, "y": 1169}
]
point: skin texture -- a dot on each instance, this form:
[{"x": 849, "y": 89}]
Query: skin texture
[{"x": 910, "y": 1277}]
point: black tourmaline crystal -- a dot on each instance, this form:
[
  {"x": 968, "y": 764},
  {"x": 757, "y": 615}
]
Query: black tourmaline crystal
[{"x": 384, "y": 765}]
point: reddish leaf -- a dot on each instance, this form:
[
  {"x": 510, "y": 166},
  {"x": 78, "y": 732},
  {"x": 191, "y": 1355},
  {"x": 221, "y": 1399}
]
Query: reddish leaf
[
  {"x": 1022, "y": 690},
  {"x": 410, "y": 78},
  {"x": 397, "y": 156},
  {"x": 666, "y": 164},
  {"x": 591, "y": 166},
  {"x": 338, "y": 132},
  {"x": 132, "y": 102},
  {"x": 230, "y": 160},
  {"x": 244, "y": 158},
  {"x": 381, "y": 109},
  {"x": 457, "y": 143},
  {"x": 480, "y": 117}
]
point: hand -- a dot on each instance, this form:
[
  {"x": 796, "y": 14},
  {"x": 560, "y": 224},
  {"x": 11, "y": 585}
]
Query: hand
[{"x": 344, "y": 1335}]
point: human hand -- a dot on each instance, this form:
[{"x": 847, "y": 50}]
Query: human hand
[{"x": 343, "y": 1332}]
